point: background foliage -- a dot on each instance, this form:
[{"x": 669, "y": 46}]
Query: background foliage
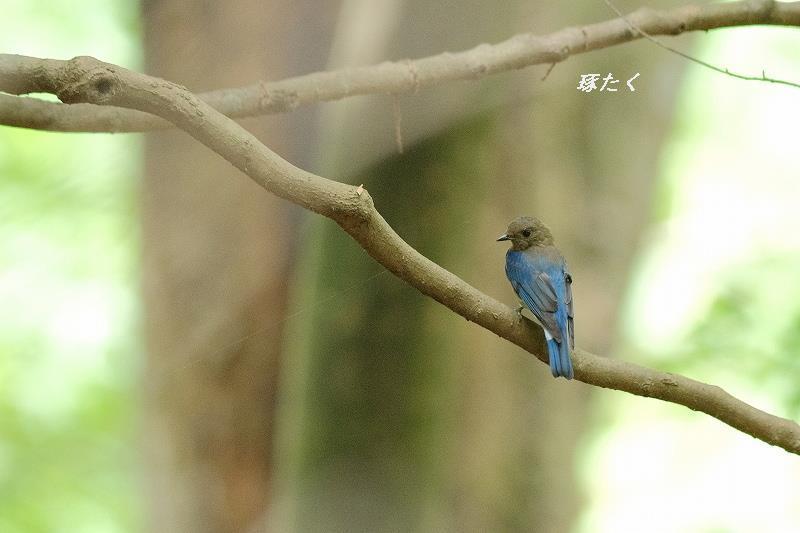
[{"x": 68, "y": 287}]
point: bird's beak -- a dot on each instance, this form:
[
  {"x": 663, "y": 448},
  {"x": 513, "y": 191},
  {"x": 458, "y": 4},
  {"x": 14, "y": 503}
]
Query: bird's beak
[{"x": 503, "y": 237}]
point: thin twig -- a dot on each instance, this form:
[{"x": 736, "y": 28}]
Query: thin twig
[
  {"x": 397, "y": 116},
  {"x": 549, "y": 70},
  {"x": 652, "y": 39}
]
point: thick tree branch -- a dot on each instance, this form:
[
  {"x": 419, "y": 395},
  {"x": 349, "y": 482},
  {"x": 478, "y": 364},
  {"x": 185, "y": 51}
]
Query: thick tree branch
[
  {"x": 86, "y": 80},
  {"x": 520, "y": 51}
]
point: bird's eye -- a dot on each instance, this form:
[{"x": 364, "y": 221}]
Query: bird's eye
[{"x": 526, "y": 233}]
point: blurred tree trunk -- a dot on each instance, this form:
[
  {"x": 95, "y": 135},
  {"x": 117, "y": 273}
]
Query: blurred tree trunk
[
  {"x": 217, "y": 252},
  {"x": 399, "y": 416}
]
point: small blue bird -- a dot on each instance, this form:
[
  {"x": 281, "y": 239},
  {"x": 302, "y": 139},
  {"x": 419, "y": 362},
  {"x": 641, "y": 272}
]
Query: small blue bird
[{"x": 539, "y": 275}]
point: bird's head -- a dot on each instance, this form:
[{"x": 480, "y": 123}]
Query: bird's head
[{"x": 525, "y": 232}]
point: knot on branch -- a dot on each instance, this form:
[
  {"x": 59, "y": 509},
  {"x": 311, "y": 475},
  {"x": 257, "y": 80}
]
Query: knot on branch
[
  {"x": 352, "y": 210},
  {"x": 478, "y": 64},
  {"x": 87, "y": 80},
  {"x": 275, "y": 99}
]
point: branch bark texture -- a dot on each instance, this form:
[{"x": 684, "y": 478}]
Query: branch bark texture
[
  {"x": 85, "y": 80},
  {"x": 398, "y": 77}
]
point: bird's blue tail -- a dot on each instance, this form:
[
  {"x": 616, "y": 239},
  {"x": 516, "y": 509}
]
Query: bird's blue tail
[{"x": 560, "y": 362}]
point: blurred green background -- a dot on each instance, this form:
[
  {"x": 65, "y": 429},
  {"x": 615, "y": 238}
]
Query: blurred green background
[
  {"x": 68, "y": 285},
  {"x": 714, "y": 295}
]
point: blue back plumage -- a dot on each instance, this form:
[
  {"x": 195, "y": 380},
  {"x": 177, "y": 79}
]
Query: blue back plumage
[{"x": 539, "y": 277}]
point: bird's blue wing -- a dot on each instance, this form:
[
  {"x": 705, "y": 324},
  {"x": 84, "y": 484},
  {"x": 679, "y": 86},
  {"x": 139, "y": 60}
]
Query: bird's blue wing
[
  {"x": 570, "y": 312},
  {"x": 534, "y": 280}
]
